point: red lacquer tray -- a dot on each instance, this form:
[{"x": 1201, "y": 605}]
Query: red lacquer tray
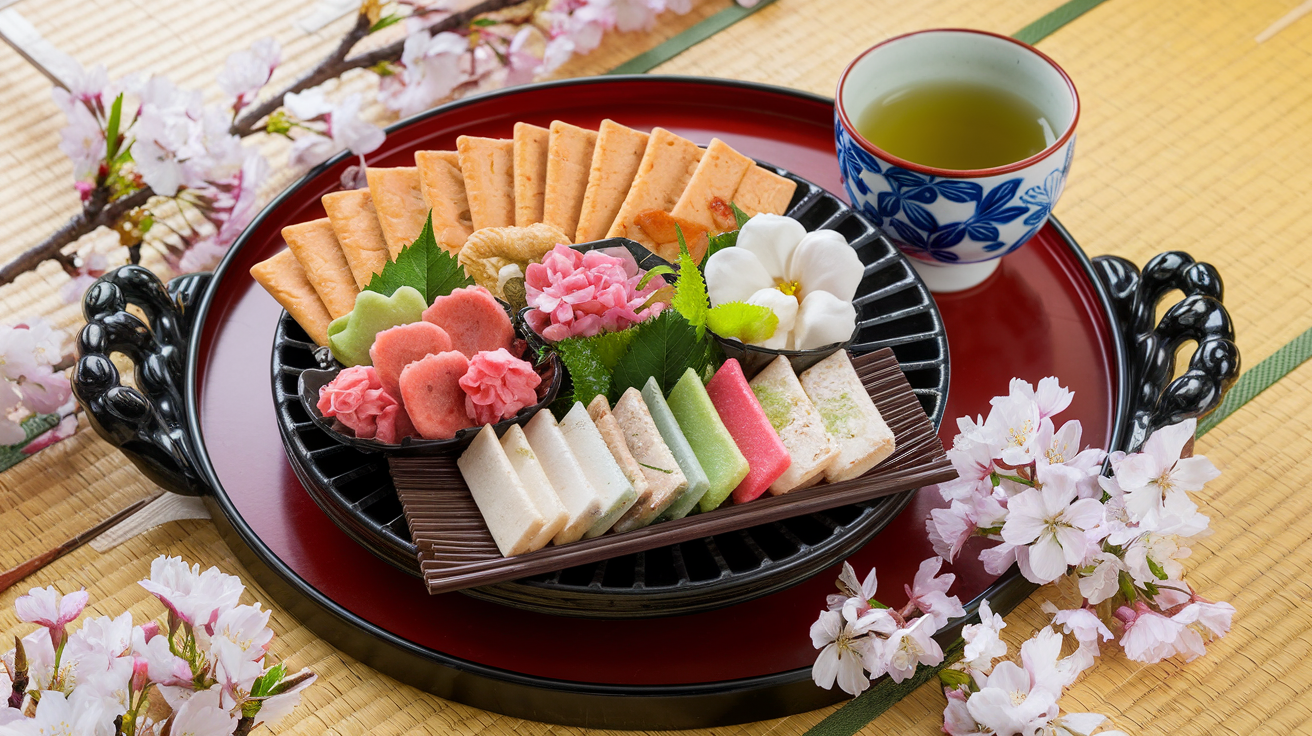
[{"x": 1041, "y": 314}]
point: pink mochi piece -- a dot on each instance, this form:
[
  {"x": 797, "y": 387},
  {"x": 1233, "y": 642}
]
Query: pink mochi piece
[
  {"x": 741, "y": 412},
  {"x": 474, "y": 320},
  {"x": 433, "y": 397},
  {"x": 399, "y": 346}
]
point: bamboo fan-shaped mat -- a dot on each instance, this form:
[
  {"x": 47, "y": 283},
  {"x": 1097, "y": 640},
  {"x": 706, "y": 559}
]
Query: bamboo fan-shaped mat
[{"x": 1193, "y": 137}]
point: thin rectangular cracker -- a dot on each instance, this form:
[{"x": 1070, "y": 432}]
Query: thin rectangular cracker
[
  {"x": 356, "y": 225},
  {"x": 400, "y": 205},
  {"x": 569, "y": 159},
  {"x": 530, "y": 150},
  {"x": 315, "y": 246},
  {"x": 284, "y": 278},
  {"x": 717, "y": 177},
  {"x": 488, "y": 165},
  {"x": 614, "y": 163},
  {"x": 762, "y": 190},
  {"x": 666, "y": 167},
  {"x": 443, "y": 187}
]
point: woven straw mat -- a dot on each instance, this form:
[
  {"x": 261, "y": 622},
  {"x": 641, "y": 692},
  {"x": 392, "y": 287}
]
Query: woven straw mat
[{"x": 1192, "y": 137}]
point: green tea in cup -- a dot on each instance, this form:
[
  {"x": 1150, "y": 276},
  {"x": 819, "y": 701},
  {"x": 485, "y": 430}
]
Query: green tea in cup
[{"x": 955, "y": 124}]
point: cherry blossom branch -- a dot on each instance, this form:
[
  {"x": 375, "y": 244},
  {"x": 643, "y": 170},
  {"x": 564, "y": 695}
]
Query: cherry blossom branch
[
  {"x": 337, "y": 63},
  {"x": 100, "y": 212}
]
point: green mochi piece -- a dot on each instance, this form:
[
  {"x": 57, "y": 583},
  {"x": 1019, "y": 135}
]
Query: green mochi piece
[
  {"x": 351, "y": 335},
  {"x": 718, "y": 454}
]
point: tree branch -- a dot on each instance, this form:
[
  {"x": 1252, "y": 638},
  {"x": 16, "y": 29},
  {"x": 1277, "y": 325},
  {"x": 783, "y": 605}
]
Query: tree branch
[
  {"x": 80, "y": 224},
  {"x": 337, "y": 63}
]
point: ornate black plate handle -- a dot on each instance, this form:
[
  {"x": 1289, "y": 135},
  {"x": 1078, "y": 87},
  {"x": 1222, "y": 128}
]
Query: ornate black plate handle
[
  {"x": 147, "y": 423},
  {"x": 1157, "y": 397}
]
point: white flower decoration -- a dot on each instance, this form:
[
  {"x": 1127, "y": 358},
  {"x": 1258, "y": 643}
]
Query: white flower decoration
[{"x": 807, "y": 279}]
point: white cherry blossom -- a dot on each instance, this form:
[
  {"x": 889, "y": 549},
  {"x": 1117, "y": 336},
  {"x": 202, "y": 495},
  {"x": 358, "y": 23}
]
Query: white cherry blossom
[
  {"x": 983, "y": 643},
  {"x": 1052, "y": 523},
  {"x": 929, "y": 593},
  {"x": 1008, "y": 704},
  {"x": 905, "y": 649},
  {"x": 842, "y": 651},
  {"x": 247, "y": 71},
  {"x": 1156, "y": 481},
  {"x": 203, "y": 715}
]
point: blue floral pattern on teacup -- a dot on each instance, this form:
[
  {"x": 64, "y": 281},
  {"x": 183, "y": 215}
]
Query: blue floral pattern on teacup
[{"x": 949, "y": 220}]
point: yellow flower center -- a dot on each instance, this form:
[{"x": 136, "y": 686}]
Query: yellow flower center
[{"x": 789, "y": 287}]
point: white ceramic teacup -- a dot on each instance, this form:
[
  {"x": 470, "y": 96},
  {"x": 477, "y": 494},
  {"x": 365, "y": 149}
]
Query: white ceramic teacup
[{"x": 955, "y": 225}]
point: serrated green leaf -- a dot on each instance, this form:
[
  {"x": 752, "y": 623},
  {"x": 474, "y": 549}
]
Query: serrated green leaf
[
  {"x": 664, "y": 348},
  {"x": 739, "y": 215},
  {"x": 719, "y": 243},
  {"x": 611, "y": 346},
  {"x": 384, "y": 22},
  {"x": 750, "y": 323},
  {"x": 424, "y": 265},
  {"x": 690, "y": 298},
  {"x": 586, "y": 368}
]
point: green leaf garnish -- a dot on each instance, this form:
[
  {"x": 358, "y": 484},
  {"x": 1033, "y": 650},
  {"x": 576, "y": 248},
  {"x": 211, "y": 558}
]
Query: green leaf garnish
[
  {"x": 653, "y": 273},
  {"x": 750, "y": 323},
  {"x": 690, "y": 291},
  {"x": 265, "y": 683},
  {"x": 424, "y": 265},
  {"x": 582, "y": 359},
  {"x": 665, "y": 347},
  {"x": 719, "y": 243},
  {"x": 384, "y": 22},
  {"x": 483, "y": 22},
  {"x": 739, "y": 215},
  {"x": 111, "y": 130},
  {"x": 658, "y": 470},
  {"x": 611, "y": 346}
]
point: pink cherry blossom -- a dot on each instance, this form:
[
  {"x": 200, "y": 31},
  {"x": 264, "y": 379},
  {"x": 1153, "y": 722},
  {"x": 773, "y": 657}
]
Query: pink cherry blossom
[
  {"x": 1156, "y": 481},
  {"x": 842, "y": 651},
  {"x": 905, "y": 649},
  {"x": 957, "y": 720},
  {"x": 582, "y": 294},
  {"x": 46, "y": 607},
  {"x": 248, "y": 628},
  {"x": 233, "y": 669},
  {"x": 1102, "y": 582},
  {"x": 1052, "y": 523},
  {"x": 497, "y": 385},
  {"x": 1008, "y": 703},
  {"x": 164, "y": 667},
  {"x": 1082, "y": 623},
  {"x": 983, "y": 643},
  {"x": 1017, "y": 422},
  {"x": 1051, "y": 397},
  {"x": 58, "y": 714},
  {"x": 431, "y": 69},
  {"x": 332, "y": 127},
  {"x": 356, "y": 398},
  {"x": 929, "y": 593},
  {"x": 854, "y": 601},
  {"x": 203, "y": 715},
  {"x": 1150, "y": 637},
  {"x": 195, "y": 597},
  {"x": 246, "y": 72},
  {"x": 949, "y": 528}
]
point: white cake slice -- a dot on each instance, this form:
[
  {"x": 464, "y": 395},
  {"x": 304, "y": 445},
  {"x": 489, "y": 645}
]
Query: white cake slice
[
  {"x": 850, "y": 417},
  {"x": 616, "y": 492},
  {"x": 540, "y": 491},
  {"x": 798, "y": 424},
  {"x": 511, "y": 516},
  {"x": 665, "y": 481},
  {"x": 581, "y": 501}
]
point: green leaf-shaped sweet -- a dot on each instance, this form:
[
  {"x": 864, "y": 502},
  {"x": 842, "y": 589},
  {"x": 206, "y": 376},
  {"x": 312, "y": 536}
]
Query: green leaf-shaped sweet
[
  {"x": 423, "y": 265},
  {"x": 351, "y": 335},
  {"x": 750, "y": 323}
]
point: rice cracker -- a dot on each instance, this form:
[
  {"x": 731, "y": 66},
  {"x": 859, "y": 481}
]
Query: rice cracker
[
  {"x": 530, "y": 172},
  {"x": 315, "y": 246},
  {"x": 614, "y": 164},
  {"x": 667, "y": 165},
  {"x": 712, "y": 186},
  {"x": 443, "y": 187},
  {"x": 284, "y": 278},
  {"x": 763, "y": 191},
  {"x": 356, "y": 225},
  {"x": 400, "y": 205},
  {"x": 569, "y": 159},
  {"x": 488, "y": 165}
]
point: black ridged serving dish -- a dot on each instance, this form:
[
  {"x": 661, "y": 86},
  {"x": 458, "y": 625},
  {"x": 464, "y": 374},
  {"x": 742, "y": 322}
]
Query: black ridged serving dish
[{"x": 894, "y": 310}]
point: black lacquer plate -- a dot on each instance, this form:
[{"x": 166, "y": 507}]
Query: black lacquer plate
[{"x": 894, "y": 309}]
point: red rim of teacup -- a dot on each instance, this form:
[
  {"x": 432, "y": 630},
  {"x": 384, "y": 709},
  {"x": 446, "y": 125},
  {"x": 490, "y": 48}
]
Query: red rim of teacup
[{"x": 956, "y": 173}]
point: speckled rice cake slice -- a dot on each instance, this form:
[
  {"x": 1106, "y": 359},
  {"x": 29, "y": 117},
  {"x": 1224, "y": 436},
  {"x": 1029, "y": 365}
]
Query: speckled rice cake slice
[
  {"x": 665, "y": 480},
  {"x": 798, "y": 424},
  {"x": 850, "y": 417}
]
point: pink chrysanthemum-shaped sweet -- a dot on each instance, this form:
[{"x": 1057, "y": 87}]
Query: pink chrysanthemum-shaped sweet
[
  {"x": 357, "y": 399},
  {"x": 582, "y": 294},
  {"x": 498, "y": 385}
]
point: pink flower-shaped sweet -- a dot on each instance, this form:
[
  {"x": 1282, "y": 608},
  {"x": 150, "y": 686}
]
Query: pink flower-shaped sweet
[
  {"x": 581, "y": 294},
  {"x": 357, "y": 399},
  {"x": 498, "y": 385}
]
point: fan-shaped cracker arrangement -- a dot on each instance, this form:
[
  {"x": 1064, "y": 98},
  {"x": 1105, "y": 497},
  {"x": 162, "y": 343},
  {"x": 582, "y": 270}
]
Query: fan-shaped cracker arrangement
[{"x": 586, "y": 184}]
